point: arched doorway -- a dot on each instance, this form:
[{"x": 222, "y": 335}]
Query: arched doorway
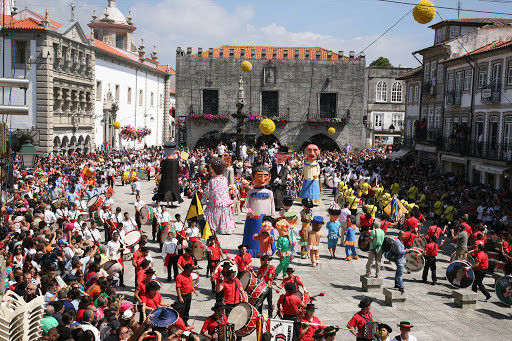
[
  {"x": 323, "y": 142},
  {"x": 211, "y": 140},
  {"x": 267, "y": 139}
]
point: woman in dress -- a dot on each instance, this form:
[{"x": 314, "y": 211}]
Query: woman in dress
[{"x": 218, "y": 212}]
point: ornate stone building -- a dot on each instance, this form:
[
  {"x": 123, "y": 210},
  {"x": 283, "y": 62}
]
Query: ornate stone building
[
  {"x": 305, "y": 90},
  {"x": 59, "y": 61}
]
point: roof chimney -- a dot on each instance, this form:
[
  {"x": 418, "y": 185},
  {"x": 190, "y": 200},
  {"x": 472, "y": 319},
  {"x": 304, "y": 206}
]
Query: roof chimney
[{"x": 199, "y": 51}]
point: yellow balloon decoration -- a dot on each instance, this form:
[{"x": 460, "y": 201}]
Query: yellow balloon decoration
[
  {"x": 246, "y": 66},
  {"x": 267, "y": 126},
  {"x": 331, "y": 131},
  {"x": 117, "y": 125},
  {"x": 424, "y": 12}
]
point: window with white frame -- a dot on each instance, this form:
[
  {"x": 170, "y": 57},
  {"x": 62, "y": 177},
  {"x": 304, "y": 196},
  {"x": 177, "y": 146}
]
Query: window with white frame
[
  {"x": 416, "y": 93},
  {"x": 509, "y": 73},
  {"x": 454, "y": 31},
  {"x": 440, "y": 72},
  {"x": 482, "y": 76},
  {"x": 496, "y": 74},
  {"x": 450, "y": 82},
  {"x": 433, "y": 71},
  {"x": 448, "y": 127},
  {"x": 437, "y": 119},
  {"x": 378, "y": 121},
  {"x": 410, "y": 94},
  {"x": 382, "y": 92},
  {"x": 397, "y": 121},
  {"x": 430, "y": 121},
  {"x": 396, "y": 92},
  {"x": 467, "y": 79},
  {"x": 507, "y": 134},
  {"x": 458, "y": 81}
]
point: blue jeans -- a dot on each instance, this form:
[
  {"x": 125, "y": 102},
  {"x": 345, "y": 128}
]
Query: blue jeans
[
  {"x": 398, "y": 275},
  {"x": 350, "y": 249}
]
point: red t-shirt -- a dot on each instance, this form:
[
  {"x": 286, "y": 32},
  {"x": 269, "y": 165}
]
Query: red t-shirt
[
  {"x": 413, "y": 222},
  {"x": 180, "y": 324},
  {"x": 409, "y": 238},
  {"x": 365, "y": 221},
  {"x": 243, "y": 263},
  {"x": 384, "y": 225},
  {"x": 215, "y": 252},
  {"x": 142, "y": 289},
  {"x": 296, "y": 280},
  {"x": 136, "y": 255},
  {"x": 152, "y": 302},
  {"x": 184, "y": 283},
  {"x": 210, "y": 323},
  {"x": 290, "y": 303},
  {"x": 311, "y": 330},
  {"x": 467, "y": 228},
  {"x": 141, "y": 275},
  {"x": 434, "y": 230},
  {"x": 139, "y": 261},
  {"x": 432, "y": 249},
  {"x": 506, "y": 246},
  {"x": 270, "y": 273},
  {"x": 232, "y": 291},
  {"x": 220, "y": 274},
  {"x": 358, "y": 321},
  {"x": 184, "y": 259},
  {"x": 483, "y": 260}
]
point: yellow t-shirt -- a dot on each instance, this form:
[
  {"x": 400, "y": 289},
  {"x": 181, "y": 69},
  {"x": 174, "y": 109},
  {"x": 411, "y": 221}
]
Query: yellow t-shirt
[
  {"x": 365, "y": 187},
  {"x": 438, "y": 207},
  {"x": 379, "y": 191},
  {"x": 353, "y": 201},
  {"x": 371, "y": 209},
  {"x": 422, "y": 200},
  {"x": 450, "y": 212},
  {"x": 395, "y": 188},
  {"x": 413, "y": 193}
]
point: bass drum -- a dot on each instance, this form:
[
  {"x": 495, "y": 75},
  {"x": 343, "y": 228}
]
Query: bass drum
[
  {"x": 218, "y": 266},
  {"x": 245, "y": 318},
  {"x": 339, "y": 199},
  {"x": 364, "y": 241},
  {"x": 330, "y": 182}
]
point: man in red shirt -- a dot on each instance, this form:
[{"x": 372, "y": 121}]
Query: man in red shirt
[
  {"x": 434, "y": 230},
  {"x": 152, "y": 298},
  {"x": 385, "y": 224},
  {"x": 233, "y": 291},
  {"x": 480, "y": 268},
  {"x": 219, "y": 317},
  {"x": 360, "y": 318},
  {"x": 141, "y": 274},
  {"x": 217, "y": 278},
  {"x": 186, "y": 258},
  {"x": 288, "y": 307},
  {"x": 184, "y": 289},
  {"x": 409, "y": 237},
  {"x": 366, "y": 222},
  {"x": 295, "y": 280},
  {"x": 141, "y": 286},
  {"x": 214, "y": 253},
  {"x": 309, "y": 324},
  {"x": 243, "y": 260},
  {"x": 430, "y": 254},
  {"x": 467, "y": 227},
  {"x": 266, "y": 273}
]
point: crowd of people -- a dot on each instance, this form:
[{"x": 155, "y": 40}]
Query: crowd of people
[{"x": 53, "y": 246}]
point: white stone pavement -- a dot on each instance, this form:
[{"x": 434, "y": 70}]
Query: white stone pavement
[{"x": 429, "y": 308}]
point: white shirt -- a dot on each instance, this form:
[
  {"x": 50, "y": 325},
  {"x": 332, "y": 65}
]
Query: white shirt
[
  {"x": 49, "y": 217},
  {"x": 170, "y": 246},
  {"x": 193, "y": 232},
  {"x": 139, "y": 204},
  {"x": 129, "y": 225},
  {"x": 345, "y": 212},
  {"x": 113, "y": 247},
  {"x": 93, "y": 329},
  {"x": 178, "y": 226},
  {"x": 108, "y": 202},
  {"x": 93, "y": 235},
  {"x": 164, "y": 217},
  {"x": 411, "y": 338}
]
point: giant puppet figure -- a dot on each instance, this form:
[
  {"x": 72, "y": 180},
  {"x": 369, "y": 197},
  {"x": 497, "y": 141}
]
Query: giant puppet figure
[
  {"x": 168, "y": 188},
  {"x": 259, "y": 203},
  {"x": 311, "y": 175},
  {"x": 279, "y": 176}
]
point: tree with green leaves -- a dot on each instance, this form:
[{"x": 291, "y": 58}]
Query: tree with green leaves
[{"x": 381, "y": 61}]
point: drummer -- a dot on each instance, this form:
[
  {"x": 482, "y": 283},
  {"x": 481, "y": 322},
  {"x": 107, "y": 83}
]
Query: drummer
[
  {"x": 430, "y": 254},
  {"x": 109, "y": 201},
  {"x": 163, "y": 219},
  {"x": 214, "y": 253},
  {"x": 360, "y": 319},
  {"x": 233, "y": 291},
  {"x": 141, "y": 286},
  {"x": 114, "y": 246},
  {"x": 186, "y": 258},
  {"x": 138, "y": 204},
  {"x": 266, "y": 273},
  {"x": 288, "y": 307},
  {"x": 295, "y": 280},
  {"x": 309, "y": 324},
  {"x": 217, "y": 278},
  {"x": 218, "y": 318},
  {"x": 93, "y": 234},
  {"x": 243, "y": 260},
  {"x": 184, "y": 289}
]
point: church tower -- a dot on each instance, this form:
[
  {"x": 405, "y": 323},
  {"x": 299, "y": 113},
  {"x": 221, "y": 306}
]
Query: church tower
[{"x": 113, "y": 28}]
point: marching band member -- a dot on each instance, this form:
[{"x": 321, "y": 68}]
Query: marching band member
[
  {"x": 405, "y": 329},
  {"x": 129, "y": 223},
  {"x": 214, "y": 253},
  {"x": 360, "y": 319},
  {"x": 233, "y": 291},
  {"x": 266, "y": 273},
  {"x": 217, "y": 278},
  {"x": 61, "y": 214},
  {"x": 108, "y": 225},
  {"x": 115, "y": 246},
  {"x": 288, "y": 307},
  {"x": 92, "y": 234},
  {"x": 384, "y": 331},
  {"x": 218, "y": 318},
  {"x": 170, "y": 255},
  {"x": 184, "y": 289},
  {"x": 138, "y": 205},
  {"x": 109, "y": 201},
  {"x": 243, "y": 260},
  {"x": 185, "y": 259},
  {"x": 295, "y": 280},
  {"x": 157, "y": 211},
  {"x": 309, "y": 324},
  {"x": 164, "y": 218}
]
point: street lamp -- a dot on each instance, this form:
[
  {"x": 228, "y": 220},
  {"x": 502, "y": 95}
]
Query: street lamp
[
  {"x": 392, "y": 128},
  {"x": 28, "y": 154}
]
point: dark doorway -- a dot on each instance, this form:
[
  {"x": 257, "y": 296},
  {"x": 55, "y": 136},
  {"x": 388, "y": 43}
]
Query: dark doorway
[
  {"x": 267, "y": 139},
  {"x": 323, "y": 142},
  {"x": 211, "y": 140}
]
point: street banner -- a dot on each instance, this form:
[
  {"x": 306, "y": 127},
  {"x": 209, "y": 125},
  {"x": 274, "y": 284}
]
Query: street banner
[{"x": 281, "y": 330}]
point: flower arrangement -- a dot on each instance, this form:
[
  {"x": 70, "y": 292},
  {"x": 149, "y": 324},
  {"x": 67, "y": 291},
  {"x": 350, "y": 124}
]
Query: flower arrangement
[
  {"x": 209, "y": 117},
  {"x": 130, "y": 133},
  {"x": 329, "y": 120}
]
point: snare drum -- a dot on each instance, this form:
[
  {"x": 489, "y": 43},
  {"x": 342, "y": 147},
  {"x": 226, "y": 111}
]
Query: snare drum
[
  {"x": 225, "y": 332},
  {"x": 132, "y": 238},
  {"x": 258, "y": 293},
  {"x": 414, "y": 260},
  {"x": 458, "y": 276},
  {"x": 233, "y": 267},
  {"x": 96, "y": 202},
  {"x": 111, "y": 190},
  {"x": 198, "y": 250},
  {"x": 146, "y": 215},
  {"x": 248, "y": 281},
  {"x": 244, "y": 317},
  {"x": 195, "y": 278},
  {"x": 420, "y": 242}
]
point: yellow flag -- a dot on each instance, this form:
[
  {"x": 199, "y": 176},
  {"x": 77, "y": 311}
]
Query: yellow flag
[{"x": 196, "y": 211}]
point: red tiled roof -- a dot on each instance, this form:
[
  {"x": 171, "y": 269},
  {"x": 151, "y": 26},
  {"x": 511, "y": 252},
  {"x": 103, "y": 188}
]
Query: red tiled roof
[
  {"x": 280, "y": 52},
  {"x": 26, "y": 13},
  {"x": 411, "y": 73},
  {"x": 495, "y": 45},
  {"x": 25, "y": 24},
  {"x": 172, "y": 91}
]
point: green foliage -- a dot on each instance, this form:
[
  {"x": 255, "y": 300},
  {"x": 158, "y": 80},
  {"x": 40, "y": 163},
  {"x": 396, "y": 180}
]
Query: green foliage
[{"x": 381, "y": 61}]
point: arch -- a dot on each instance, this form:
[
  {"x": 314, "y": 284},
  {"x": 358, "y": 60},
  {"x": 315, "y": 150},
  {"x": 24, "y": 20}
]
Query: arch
[
  {"x": 73, "y": 141},
  {"x": 396, "y": 92},
  {"x": 381, "y": 92},
  {"x": 267, "y": 139},
  {"x": 81, "y": 140},
  {"x": 56, "y": 141},
  {"x": 212, "y": 139},
  {"x": 65, "y": 142},
  {"x": 323, "y": 142}
]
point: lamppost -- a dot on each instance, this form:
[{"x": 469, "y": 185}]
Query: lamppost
[{"x": 28, "y": 154}]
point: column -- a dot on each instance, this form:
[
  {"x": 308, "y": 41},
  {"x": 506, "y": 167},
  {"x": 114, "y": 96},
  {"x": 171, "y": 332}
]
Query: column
[
  {"x": 166, "y": 131},
  {"x": 44, "y": 97}
]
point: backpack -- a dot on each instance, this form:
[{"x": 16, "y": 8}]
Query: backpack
[{"x": 386, "y": 244}]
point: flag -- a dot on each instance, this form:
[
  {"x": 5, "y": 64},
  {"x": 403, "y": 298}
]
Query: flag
[
  {"x": 395, "y": 209},
  {"x": 262, "y": 326},
  {"x": 196, "y": 211},
  {"x": 281, "y": 330}
]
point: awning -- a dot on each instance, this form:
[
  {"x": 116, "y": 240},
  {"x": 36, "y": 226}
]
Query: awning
[
  {"x": 453, "y": 158},
  {"x": 425, "y": 148},
  {"x": 499, "y": 170},
  {"x": 398, "y": 154}
]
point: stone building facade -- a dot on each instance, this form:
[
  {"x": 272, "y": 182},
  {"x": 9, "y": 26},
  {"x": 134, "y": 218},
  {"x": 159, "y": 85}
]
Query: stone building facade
[
  {"x": 59, "y": 61},
  {"x": 386, "y": 106},
  {"x": 294, "y": 86}
]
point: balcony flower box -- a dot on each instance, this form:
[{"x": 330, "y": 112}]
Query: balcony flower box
[{"x": 209, "y": 118}]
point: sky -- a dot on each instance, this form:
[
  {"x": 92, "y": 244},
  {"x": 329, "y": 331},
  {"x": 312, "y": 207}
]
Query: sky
[{"x": 337, "y": 25}]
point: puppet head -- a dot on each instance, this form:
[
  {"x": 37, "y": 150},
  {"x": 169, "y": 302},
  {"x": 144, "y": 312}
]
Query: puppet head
[
  {"x": 260, "y": 176},
  {"x": 228, "y": 159},
  {"x": 282, "y": 226},
  {"x": 169, "y": 148},
  {"x": 287, "y": 202},
  {"x": 316, "y": 223},
  {"x": 312, "y": 152},
  {"x": 334, "y": 211},
  {"x": 282, "y": 155},
  {"x": 266, "y": 224},
  {"x": 291, "y": 217}
]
